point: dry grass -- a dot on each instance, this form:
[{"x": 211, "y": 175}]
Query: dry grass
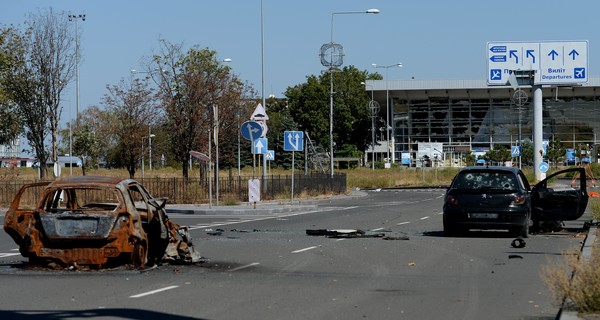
[
  {"x": 577, "y": 280},
  {"x": 399, "y": 177}
]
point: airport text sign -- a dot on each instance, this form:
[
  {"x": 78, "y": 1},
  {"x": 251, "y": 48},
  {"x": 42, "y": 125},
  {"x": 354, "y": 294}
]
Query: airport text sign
[{"x": 557, "y": 62}]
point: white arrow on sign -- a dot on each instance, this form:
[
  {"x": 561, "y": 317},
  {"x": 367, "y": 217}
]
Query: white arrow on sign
[
  {"x": 252, "y": 131},
  {"x": 258, "y": 146},
  {"x": 291, "y": 138}
]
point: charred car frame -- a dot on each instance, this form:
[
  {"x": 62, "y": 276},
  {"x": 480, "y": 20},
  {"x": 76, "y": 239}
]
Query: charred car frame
[{"x": 95, "y": 221}]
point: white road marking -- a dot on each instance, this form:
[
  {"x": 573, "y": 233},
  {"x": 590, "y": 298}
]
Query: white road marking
[
  {"x": 4, "y": 255},
  {"x": 245, "y": 266},
  {"x": 401, "y": 223},
  {"x": 305, "y": 249},
  {"x": 378, "y": 229},
  {"x": 153, "y": 292},
  {"x": 424, "y": 218}
]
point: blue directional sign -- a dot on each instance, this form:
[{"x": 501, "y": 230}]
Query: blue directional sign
[
  {"x": 260, "y": 146},
  {"x": 293, "y": 141},
  {"x": 557, "y": 62},
  {"x": 270, "y": 156},
  {"x": 544, "y": 166},
  {"x": 516, "y": 151},
  {"x": 251, "y": 130}
]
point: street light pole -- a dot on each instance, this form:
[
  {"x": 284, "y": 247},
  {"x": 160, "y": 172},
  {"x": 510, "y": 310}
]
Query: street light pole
[
  {"x": 331, "y": 67},
  {"x": 150, "y": 136},
  {"x": 76, "y": 17},
  {"x": 387, "y": 108},
  {"x": 239, "y": 167},
  {"x": 371, "y": 109}
]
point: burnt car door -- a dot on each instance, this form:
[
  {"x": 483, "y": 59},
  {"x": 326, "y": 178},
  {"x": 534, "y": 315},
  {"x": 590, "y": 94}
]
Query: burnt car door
[
  {"x": 20, "y": 219},
  {"x": 560, "y": 197}
]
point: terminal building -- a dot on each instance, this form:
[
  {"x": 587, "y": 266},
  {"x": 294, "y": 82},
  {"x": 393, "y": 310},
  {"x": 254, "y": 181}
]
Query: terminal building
[{"x": 465, "y": 116}]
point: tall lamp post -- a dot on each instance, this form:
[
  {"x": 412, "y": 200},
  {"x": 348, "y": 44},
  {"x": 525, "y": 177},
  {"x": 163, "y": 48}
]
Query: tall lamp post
[
  {"x": 76, "y": 17},
  {"x": 387, "y": 107},
  {"x": 150, "y": 136},
  {"x": 335, "y": 51},
  {"x": 373, "y": 108}
]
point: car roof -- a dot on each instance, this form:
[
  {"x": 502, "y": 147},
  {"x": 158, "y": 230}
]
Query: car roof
[
  {"x": 490, "y": 168},
  {"x": 89, "y": 181}
]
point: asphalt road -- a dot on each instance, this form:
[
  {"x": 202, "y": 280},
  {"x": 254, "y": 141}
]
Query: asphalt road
[{"x": 267, "y": 267}]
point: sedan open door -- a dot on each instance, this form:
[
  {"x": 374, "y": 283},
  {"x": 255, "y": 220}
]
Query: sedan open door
[{"x": 560, "y": 197}]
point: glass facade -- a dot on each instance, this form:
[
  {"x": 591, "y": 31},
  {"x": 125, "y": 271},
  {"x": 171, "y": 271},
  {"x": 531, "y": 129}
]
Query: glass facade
[{"x": 480, "y": 118}]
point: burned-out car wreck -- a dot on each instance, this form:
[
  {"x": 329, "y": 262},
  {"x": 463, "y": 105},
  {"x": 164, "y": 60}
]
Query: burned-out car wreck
[{"x": 96, "y": 222}]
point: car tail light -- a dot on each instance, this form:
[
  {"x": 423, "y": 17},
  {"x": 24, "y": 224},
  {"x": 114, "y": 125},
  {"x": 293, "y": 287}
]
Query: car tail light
[
  {"x": 451, "y": 200},
  {"x": 519, "y": 199}
]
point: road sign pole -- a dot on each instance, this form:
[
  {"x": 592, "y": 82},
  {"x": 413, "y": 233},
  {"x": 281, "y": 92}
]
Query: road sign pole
[
  {"x": 537, "y": 132},
  {"x": 293, "y": 176}
]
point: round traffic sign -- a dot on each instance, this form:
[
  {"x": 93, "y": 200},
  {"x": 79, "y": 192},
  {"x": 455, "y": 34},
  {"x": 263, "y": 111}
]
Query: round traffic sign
[{"x": 251, "y": 130}]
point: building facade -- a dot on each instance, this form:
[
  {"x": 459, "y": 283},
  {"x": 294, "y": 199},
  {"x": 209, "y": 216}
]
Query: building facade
[{"x": 469, "y": 115}]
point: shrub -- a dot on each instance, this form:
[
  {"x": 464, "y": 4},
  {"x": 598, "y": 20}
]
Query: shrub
[{"x": 581, "y": 288}]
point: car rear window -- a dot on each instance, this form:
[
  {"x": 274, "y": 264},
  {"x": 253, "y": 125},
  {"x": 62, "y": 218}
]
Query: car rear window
[{"x": 488, "y": 180}]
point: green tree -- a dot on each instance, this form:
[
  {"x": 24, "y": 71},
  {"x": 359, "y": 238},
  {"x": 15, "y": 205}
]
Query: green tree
[
  {"x": 556, "y": 152},
  {"x": 500, "y": 154},
  {"x": 200, "y": 94},
  {"x": 135, "y": 107},
  {"x": 469, "y": 159},
  {"x": 86, "y": 144},
  {"x": 309, "y": 105},
  {"x": 41, "y": 64},
  {"x": 10, "y": 121}
]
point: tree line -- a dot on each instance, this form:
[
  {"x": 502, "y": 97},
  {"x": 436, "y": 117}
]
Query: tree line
[{"x": 180, "y": 98}]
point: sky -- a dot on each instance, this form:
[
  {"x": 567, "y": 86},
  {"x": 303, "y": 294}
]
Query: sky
[{"x": 433, "y": 39}]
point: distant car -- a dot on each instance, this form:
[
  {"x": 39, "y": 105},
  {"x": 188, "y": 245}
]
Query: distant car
[
  {"x": 94, "y": 221},
  {"x": 501, "y": 198}
]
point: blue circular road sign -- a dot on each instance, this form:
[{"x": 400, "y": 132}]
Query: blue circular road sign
[{"x": 251, "y": 130}]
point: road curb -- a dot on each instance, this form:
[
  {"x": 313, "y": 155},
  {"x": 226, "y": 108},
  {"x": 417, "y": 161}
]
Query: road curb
[{"x": 586, "y": 253}]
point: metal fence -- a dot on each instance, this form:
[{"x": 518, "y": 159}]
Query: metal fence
[{"x": 231, "y": 190}]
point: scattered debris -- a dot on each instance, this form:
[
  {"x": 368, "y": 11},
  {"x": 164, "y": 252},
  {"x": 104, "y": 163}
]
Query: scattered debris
[
  {"x": 515, "y": 256},
  {"x": 412, "y": 264},
  {"x": 353, "y": 233},
  {"x": 518, "y": 243}
]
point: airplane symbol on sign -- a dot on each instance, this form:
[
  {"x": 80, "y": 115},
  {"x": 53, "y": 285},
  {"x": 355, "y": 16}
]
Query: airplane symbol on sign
[
  {"x": 579, "y": 73},
  {"x": 495, "y": 74}
]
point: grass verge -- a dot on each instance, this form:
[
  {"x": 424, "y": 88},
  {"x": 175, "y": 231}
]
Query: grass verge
[{"x": 575, "y": 280}]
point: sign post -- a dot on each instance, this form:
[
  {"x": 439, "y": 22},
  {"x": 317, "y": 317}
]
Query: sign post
[
  {"x": 550, "y": 63},
  {"x": 260, "y": 116},
  {"x": 293, "y": 141}
]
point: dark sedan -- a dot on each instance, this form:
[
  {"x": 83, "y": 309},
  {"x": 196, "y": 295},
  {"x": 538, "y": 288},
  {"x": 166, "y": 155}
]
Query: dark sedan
[{"x": 501, "y": 198}]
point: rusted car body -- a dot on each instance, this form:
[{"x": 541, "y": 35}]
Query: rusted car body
[{"x": 96, "y": 221}]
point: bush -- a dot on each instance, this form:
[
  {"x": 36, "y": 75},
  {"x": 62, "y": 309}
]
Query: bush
[{"x": 581, "y": 288}]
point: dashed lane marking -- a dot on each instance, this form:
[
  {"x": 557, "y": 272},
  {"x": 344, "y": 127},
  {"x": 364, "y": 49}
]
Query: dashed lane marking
[
  {"x": 305, "y": 249},
  {"x": 244, "y": 266},
  {"x": 153, "y": 292}
]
